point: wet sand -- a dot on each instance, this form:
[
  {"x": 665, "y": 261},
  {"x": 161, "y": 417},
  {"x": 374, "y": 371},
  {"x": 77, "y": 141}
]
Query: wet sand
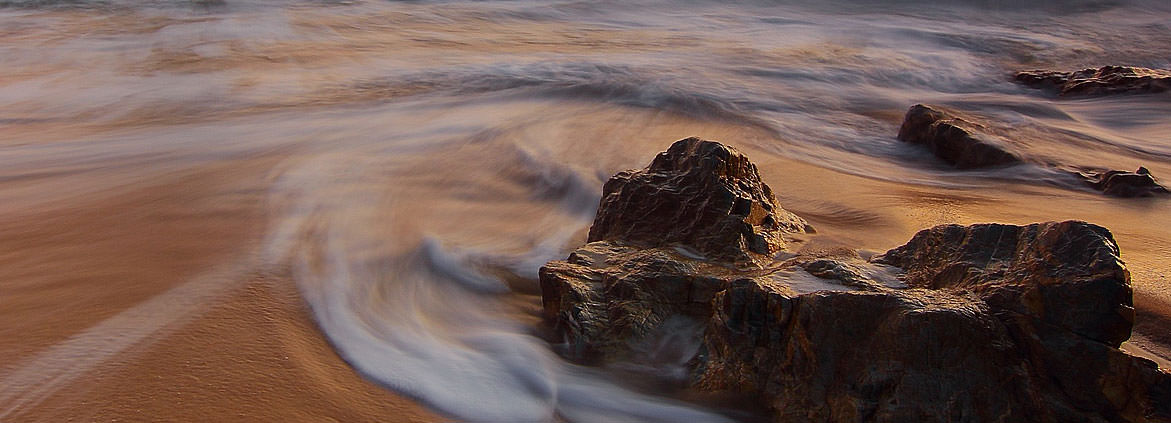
[{"x": 147, "y": 304}]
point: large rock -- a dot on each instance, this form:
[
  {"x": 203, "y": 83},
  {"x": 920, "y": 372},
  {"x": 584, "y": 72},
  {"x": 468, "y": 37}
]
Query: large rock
[
  {"x": 1067, "y": 274},
  {"x": 1105, "y": 80},
  {"x": 916, "y": 355},
  {"x": 700, "y": 195},
  {"x": 893, "y": 356},
  {"x": 989, "y": 323},
  {"x": 606, "y": 297},
  {"x": 1001, "y": 323},
  {"x": 955, "y": 140}
]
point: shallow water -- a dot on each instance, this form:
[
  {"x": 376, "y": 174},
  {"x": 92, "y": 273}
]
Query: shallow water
[{"x": 416, "y": 162}]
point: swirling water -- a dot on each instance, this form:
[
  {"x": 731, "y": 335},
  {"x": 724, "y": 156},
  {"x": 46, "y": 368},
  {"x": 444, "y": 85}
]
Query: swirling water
[{"x": 424, "y": 158}]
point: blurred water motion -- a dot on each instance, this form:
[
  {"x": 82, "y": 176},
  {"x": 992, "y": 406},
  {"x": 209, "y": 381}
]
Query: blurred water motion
[{"x": 409, "y": 165}]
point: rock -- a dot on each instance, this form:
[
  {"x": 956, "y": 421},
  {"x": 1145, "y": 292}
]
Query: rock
[
  {"x": 991, "y": 322},
  {"x": 701, "y": 195},
  {"x": 894, "y": 356},
  {"x": 953, "y": 139},
  {"x": 607, "y": 296},
  {"x": 916, "y": 355},
  {"x": 1139, "y": 183},
  {"x": 966, "y": 142},
  {"x": 1067, "y": 274},
  {"x": 1105, "y": 80}
]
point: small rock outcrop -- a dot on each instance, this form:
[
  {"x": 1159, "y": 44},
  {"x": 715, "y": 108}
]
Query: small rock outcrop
[
  {"x": 953, "y": 139},
  {"x": 1105, "y": 80},
  {"x": 963, "y": 323},
  {"x": 965, "y": 143},
  {"x": 1118, "y": 183},
  {"x": 701, "y": 195}
]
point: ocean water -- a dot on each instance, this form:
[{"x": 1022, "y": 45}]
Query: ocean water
[{"x": 424, "y": 158}]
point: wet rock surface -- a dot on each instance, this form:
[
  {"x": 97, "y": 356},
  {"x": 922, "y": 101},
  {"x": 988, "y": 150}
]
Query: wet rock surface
[
  {"x": 698, "y": 194},
  {"x": 1118, "y": 183},
  {"x": 957, "y": 141},
  {"x": 1106, "y": 80},
  {"x": 988, "y": 323},
  {"x": 1067, "y": 274},
  {"x": 966, "y": 143}
]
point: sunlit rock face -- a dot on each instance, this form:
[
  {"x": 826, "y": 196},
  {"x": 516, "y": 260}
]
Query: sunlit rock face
[
  {"x": 700, "y": 195},
  {"x": 972, "y": 323},
  {"x": 1106, "y": 80},
  {"x": 1067, "y": 274}
]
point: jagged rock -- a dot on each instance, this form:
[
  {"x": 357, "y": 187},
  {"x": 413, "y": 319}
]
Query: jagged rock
[
  {"x": 1101, "y": 81},
  {"x": 1065, "y": 273},
  {"x": 1118, "y": 183},
  {"x": 701, "y": 195},
  {"x": 1003, "y": 323},
  {"x": 993, "y": 323},
  {"x": 955, "y": 140}
]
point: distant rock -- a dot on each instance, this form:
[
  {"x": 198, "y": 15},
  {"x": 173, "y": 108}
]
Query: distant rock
[
  {"x": 966, "y": 143},
  {"x": 1105, "y": 80},
  {"x": 957, "y": 141},
  {"x": 700, "y": 195},
  {"x": 1118, "y": 183},
  {"x": 989, "y": 323}
]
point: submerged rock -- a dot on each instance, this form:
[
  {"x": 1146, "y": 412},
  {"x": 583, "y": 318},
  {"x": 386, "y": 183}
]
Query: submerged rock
[
  {"x": 966, "y": 143},
  {"x": 1118, "y": 183},
  {"x": 993, "y": 323},
  {"x": 953, "y": 139},
  {"x": 1105, "y": 80}
]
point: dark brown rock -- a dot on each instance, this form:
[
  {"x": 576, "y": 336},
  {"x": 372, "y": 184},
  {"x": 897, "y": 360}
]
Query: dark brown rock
[
  {"x": 701, "y": 195},
  {"x": 916, "y": 355},
  {"x": 607, "y": 296},
  {"x": 1118, "y": 183},
  {"x": 1065, "y": 273},
  {"x": 893, "y": 356},
  {"x": 955, "y": 140},
  {"x": 968, "y": 142},
  {"x": 999, "y": 322},
  {"x": 1105, "y": 80}
]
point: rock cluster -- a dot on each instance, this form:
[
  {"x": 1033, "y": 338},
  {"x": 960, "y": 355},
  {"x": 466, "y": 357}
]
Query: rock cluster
[
  {"x": 988, "y": 322},
  {"x": 1105, "y": 80},
  {"x": 966, "y": 144}
]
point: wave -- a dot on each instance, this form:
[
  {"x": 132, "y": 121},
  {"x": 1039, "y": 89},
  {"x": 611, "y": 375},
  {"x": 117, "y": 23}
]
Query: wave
[{"x": 431, "y": 321}]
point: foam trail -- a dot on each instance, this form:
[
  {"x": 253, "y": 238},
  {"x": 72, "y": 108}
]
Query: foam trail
[{"x": 405, "y": 318}]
